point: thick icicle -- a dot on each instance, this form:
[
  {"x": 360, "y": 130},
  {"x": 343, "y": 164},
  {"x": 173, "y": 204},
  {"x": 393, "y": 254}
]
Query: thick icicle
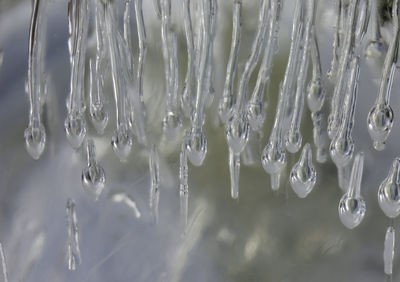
[
  {"x": 380, "y": 117},
  {"x": 75, "y": 122},
  {"x": 35, "y": 134}
]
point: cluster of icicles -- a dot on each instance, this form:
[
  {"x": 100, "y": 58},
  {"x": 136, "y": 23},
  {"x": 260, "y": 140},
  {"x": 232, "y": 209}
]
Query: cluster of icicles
[{"x": 241, "y": 113}]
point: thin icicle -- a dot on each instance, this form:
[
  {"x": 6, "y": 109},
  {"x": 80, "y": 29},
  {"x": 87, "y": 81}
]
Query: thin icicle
[
  {"x": 183, "y": 187},
  {"x": 209, "y": 87},
  {"x": 3, "y": 265},
  {"x": 154, "y": 182},
  {"x": 255, "y": 106},
  {"x": 320, "y": 136},
  {"x": 172, "y": 120},
  {"x": 73, "y": 250},
  {"x": 336, "y": 40},
  {"x": 187, "y": 95},
  {"x": 227, "y": 100},
  {"x": 75, "y": 122},
  {"x": 316, "y": 93},
  {"x": 35, "y": 134},
  {"x": 234, "y": 170},
  {"x": 293, "y": 137},
  {"x": 380, "y": 117}
]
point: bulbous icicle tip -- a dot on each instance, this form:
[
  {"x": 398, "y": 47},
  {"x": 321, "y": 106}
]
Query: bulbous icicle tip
[
  {"x": 93, "y": 176},
  {"x": 256, "y": 115},
  {"x": 122, "y": 143},
  {"x": 352, "y": 206},
  {"x": 273, "y": 160},
  {"x": 388, "y": 193},
  {"x": 35, "y": 139},
  {"x": 380, "y": 123},
  {"x": 303, "y": 175},
  {"x": 171, "y": 123},
  {"x": 196, "y": 146},
  {"x": 99, "y": 117},
  {"x": 75, "y": 129},
  {"x": 237, "y": 132}
]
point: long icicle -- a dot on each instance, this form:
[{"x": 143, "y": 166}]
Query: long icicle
[
  {"x": 35, "y": 134},
  {"x": 227, "y": 100},
  {"x": 380, "y": 117}
]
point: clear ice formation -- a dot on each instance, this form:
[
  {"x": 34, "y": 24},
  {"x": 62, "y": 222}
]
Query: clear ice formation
[
  {"x": 380, "y": 117},
  {"x": 196, "y": 142},
  {"x": 273, "y": 157},
  {"x": 255, "y": 108},
  {"x": 352, "y": 206},
  {"x": 35, "y": 133},
  {"x": 183, "y": 187},
  {"x": 376, "y": 47},
  {"x": 234, "y": 170},
  {"x": 73, "y": 250},
  {"x": 4, "y": 276},
  {"x": 320, "y": 136},
  {"x": 93, "y": 176},
  {"x": 154, "y": 182},
  {"x": 339, "y": 7},
  {"x": 315, "y": 91},
  {"x": 389, "y": 191},
  {"x": 388, "y": 252},
  {"x": 172, "y": 120},
  {"x": 228, "y": 100},
  {"x": 122, "y": 139},
  {"x": 75, "y": 122},
  {"x": 303, "y": 175},
  {"x": 293, "y": 136}
]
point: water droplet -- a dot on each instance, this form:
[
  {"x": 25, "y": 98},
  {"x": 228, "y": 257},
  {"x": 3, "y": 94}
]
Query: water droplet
[
  {"x": 389, "y": 191},
  {"x": 303, "y": 175},
  {"x": 380, "y": 123},
  {"x": 75, "y": 128},
  {"x": 352, "y": 206},
  {"x": 196, "y": 146},
  {"x": 35, "y": 139},
  {"x": 93, "y": 176},
  {"x": 122, "y": 142},
  {"x": 237, "y": 132}
]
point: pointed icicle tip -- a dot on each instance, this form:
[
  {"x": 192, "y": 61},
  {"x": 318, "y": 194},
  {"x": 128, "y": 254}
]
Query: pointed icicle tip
[{"x": 388, "y": 193}]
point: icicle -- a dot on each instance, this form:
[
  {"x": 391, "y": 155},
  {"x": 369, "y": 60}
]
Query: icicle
[
  {"x": 303, "y": 175},
  {"x": 389, "y": 191},
  {"x": 97, "y": 112},
  {"x": 75, "y": 122},
  {"x": 234, "y": 169},
  {"x": 35, "y": 134},
  {"x": 187, "y": 95},
  {"x": 273, "y": 157},
  {"x": 316, "y": 93},
  {"x": 376, "y": 47},
  {"x": 388, "y": 252},
  {"x": 122, "y": 139},
  {"x": 342, "y": 145},
  {"x": 172, "y": 120},
  {"x": 4, "y": 276},
  {"x": 183, "y": 187},
  {"x": 346, "y": 53},
  {"x": 352, "y": 206},
  {"x": 293, "y": 137},
  {"x": 73, "y": 250},
  {"x": 255, "y": 107},
  {"x": 227, "y": 100},
  {"x": 142, "y": 45},
  {"x": 336, "y": 40},
  {"x": 128, "y": 201},
  {"x": 210, "y": 64},
  {"x": 380, "y": 117},
  {"x": 93, "y": 176},
  {"x": 196, "y": 143},
  {"x": 1, "y": 57},
  {"x": 320, "y": 136},
  {"x": 157, "y": 7},
  {"x": 155, "y": 182}
]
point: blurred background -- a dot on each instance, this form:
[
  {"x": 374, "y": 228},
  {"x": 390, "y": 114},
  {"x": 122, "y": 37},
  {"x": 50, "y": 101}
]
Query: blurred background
[{"x": 263, "y": 236}]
